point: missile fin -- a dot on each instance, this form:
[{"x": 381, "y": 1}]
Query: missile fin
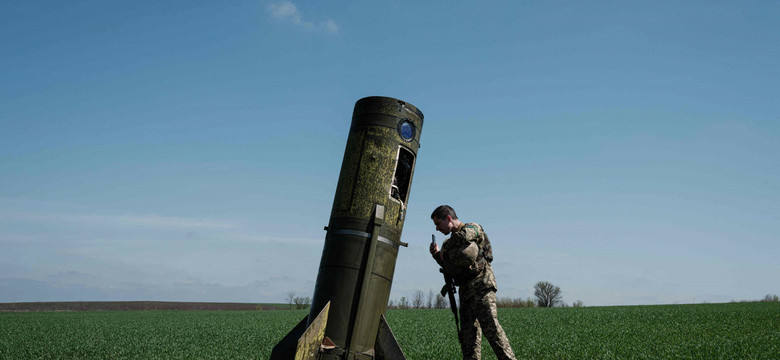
[
  {"x": 387, "y": 347},
  {"x": 310, "y": 342}
]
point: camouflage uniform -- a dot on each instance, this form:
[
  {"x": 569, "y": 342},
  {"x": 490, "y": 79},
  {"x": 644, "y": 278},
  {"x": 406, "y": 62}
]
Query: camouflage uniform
[{"x": 467, "y": 256}]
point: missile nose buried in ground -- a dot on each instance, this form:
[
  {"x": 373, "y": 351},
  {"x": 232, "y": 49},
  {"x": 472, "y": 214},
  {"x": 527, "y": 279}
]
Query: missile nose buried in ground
[{"x": 363, "y": 238}]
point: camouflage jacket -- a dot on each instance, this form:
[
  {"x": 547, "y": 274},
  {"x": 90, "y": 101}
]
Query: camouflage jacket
[{"x": 467, "y": 255}]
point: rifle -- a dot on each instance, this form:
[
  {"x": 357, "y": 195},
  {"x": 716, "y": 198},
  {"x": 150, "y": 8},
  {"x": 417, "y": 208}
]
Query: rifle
[{"x": 449, "y": 289}]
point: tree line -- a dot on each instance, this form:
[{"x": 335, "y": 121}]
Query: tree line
[
  {"x": 545, "y": 295},
  {"x": 300, "y": 302}
]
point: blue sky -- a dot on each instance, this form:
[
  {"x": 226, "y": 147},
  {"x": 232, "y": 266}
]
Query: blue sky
[{"x": 189, "y": 151}]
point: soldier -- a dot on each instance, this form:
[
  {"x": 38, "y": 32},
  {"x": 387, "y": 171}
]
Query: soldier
[{"x": 466, "y": 257}]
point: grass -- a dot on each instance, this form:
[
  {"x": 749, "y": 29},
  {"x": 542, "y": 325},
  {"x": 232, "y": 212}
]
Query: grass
[
  {"x": 706, "y": 331},
  {"x": 143, "y": 334}
]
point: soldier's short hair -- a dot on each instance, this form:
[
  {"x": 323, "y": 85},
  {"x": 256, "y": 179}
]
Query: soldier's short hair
[{"x": 443, "y": 211}]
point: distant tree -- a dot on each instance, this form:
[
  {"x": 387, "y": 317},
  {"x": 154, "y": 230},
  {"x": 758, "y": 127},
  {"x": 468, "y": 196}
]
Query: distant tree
[
  {"x": 529, "y": 302},
  {"x": 418, "y": 299},
  {"x": 441, "y": 302},
  {"x": 302, "y": 302},
  {"x": 390, "y": 304},
  {"x": 547, "y": 294},
  {"x": 430, "y": 299},
  {"x": 291, "y": 298},
  {"x": 507, "y": 302},
  {"x": 771, "y": 298},
  {"x": 577, "y": 303},
  {"x": 504, "y": 302},
  {"x": 403, "y": 303}
]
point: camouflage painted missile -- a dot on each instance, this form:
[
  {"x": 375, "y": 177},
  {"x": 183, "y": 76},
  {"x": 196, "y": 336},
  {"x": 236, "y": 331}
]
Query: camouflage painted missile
[{"x": 363, "y": 237}]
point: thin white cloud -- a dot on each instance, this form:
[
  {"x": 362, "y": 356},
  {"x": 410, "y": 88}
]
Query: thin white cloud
[
  {"x": 331, "y": 26},
  {"x": 287, "y": 11},
  {"x": 145, "y": 220}
]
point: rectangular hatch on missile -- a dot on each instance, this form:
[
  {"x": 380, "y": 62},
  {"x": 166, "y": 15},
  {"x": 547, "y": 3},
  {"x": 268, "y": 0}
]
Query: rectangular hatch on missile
[{"x": 402, "y": 176}]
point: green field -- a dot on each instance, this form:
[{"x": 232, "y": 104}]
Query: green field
[{"x": 706, "y": 331}]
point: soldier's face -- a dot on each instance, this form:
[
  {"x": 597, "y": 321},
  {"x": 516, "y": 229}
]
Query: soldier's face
[{"x": 444, "y": 226}]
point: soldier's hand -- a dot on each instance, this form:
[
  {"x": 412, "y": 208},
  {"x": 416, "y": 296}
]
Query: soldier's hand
[{"x": 434, "y": 248}]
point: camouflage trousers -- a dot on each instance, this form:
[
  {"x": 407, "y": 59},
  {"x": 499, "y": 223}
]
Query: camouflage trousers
[{"x": 478, "y": 314}]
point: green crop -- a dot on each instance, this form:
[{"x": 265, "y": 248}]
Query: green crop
[
  {"x": 707, "y": 331},
  {"x": 144, "y": 334}
]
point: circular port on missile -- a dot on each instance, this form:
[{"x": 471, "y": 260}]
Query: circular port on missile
[{"x": 406, "y": 130}]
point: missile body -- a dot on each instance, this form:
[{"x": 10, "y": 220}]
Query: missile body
[{"x": 364, "y": 235}]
